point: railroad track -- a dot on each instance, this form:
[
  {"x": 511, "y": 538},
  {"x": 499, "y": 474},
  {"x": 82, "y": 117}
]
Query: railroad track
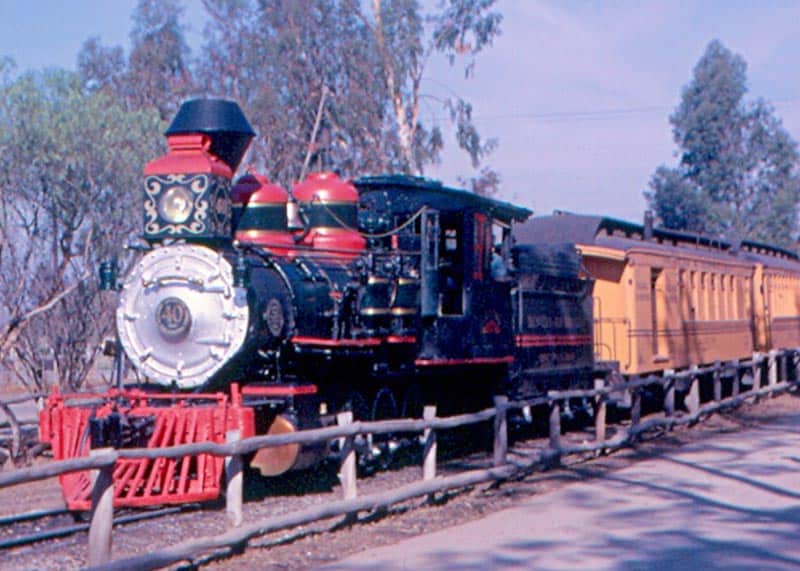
[
  {"x": 32, "y": 527},
  {"x": 459, "y": 448},
  {"x": 288, "y": 493}
]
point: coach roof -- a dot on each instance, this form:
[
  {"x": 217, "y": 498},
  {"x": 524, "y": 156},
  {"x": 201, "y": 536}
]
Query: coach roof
[{"x": 566, "y": 227}]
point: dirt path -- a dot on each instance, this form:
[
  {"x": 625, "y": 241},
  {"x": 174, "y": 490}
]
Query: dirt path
[
  {"x": 733, "y": 503},
  {"x": 309, "y": 549}
]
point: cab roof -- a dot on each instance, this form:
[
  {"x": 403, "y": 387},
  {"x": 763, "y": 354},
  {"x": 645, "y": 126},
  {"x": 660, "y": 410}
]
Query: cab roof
[{"x": 418, "y": 191}]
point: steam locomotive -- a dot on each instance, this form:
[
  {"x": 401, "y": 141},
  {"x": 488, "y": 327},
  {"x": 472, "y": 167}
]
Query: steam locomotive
[
  {"x": 255, "y": 310},
  {"x": 264, "y": 311}
]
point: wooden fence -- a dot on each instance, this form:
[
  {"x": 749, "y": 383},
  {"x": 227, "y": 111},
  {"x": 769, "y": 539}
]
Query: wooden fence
[
  {"x": 771, "y": 371},
  {"x": 11, "y": 430}
]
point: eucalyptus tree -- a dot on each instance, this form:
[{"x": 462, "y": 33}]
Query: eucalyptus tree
[
  {"x": 157, "y": 70},
  {"x": 338, "y": 83}
]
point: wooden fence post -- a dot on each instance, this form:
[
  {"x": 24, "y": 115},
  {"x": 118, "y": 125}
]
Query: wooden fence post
[
  {"x": 429, "y": 450},
  {"x": 669, "y": 392},
  {"x": 772, "y": 367},
  {"x": 233, "y": 479},
  {"x": 600, "y": 407},
  {"x": 500, "y": 430},
  {"x": 755, "y": 370},
  {"x": 16, "y": 431},
  {"x": 347, "y": 472},
  {"x": 555, "y": 425},
  {"x": 783, "y": 369},
  {"x": 737, "y": 379},
  {"x": 717, "y": 377},
  {"x": 636, "y": 406},
  {"x": 102, "y": 512},
  {"x": 692, "y": 400}
]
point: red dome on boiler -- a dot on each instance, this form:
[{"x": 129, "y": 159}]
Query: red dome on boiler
[{"x": 326, "y": 187}]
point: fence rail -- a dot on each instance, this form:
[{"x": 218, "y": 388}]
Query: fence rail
[{"x": 772, "y": 368}]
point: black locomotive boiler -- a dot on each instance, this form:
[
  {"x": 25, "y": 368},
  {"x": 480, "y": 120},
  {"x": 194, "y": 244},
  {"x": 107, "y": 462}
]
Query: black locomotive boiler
[{"x": 265, "y": 311}]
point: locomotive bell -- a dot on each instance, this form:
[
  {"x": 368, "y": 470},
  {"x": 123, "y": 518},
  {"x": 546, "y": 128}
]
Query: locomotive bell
[{"x": 187, "y": 192}]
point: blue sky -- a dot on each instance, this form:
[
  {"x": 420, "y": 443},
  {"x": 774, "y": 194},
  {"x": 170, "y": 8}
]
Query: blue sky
[{"x": 577, "y": 93}]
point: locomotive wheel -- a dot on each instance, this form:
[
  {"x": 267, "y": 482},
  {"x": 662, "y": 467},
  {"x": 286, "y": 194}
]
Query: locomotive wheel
[
  {"x": 357, "y": 404},
  {"x": 384, "y": 406},
  {"x": 412, "y": 402},
  {"x": 276, "y": 460}
]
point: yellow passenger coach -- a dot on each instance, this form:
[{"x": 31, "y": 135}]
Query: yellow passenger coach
[{"x": 671, "y": 300}]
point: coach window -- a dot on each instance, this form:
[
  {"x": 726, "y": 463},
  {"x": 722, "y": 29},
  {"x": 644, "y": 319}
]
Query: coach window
[
  {"x": 731, "y": 299},
  {"x": 685, "y": 303},
  {"x": 704, "y": 309},
  {"x": 701, "y": 296},
  {"x": 658, "y": 308},
  {"x": 743, "y": 297},
  {"x": 713, "y": 297},
  {"x": 722, "y": 314},
  {"x": 716, "y": 296}
]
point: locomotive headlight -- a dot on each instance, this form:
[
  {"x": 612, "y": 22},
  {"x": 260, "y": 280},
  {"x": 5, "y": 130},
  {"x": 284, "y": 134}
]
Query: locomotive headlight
[{"x": 175, "y": 205}]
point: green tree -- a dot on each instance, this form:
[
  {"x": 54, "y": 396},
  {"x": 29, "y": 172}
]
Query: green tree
[
  {"x": 69, "y": 182},
  {"x": 158, "y": 66},
  {"x": 738, "y": 171},
  {"x": 306, "y": 78},
  {"x": 677, "y": 201}
]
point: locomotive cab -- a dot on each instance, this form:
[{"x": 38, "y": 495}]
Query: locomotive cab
[{"x": 465, "y": 310}]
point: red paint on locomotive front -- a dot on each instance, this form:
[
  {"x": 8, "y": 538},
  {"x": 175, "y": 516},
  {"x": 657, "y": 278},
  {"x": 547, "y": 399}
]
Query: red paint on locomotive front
[
  {"x": 188, "y": 154},
  {"x": 175, "y": 420}
]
